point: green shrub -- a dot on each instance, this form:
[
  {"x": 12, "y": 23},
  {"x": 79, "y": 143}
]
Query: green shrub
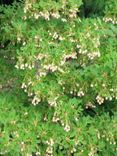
[
  {"x": 25, "y": 131},
  {"x": 66, "y": 65}
]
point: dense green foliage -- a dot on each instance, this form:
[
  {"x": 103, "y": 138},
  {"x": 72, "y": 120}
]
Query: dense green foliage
[
  {"x": 24, "y": 131},
  {"x": 58, "y": 78}
]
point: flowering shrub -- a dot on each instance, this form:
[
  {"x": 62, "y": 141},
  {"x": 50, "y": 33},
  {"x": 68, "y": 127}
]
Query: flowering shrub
[
  {"x": 25, "y": 132},
  {"x": 66, "y": 64},
  {"x": 111, "y": 12}
]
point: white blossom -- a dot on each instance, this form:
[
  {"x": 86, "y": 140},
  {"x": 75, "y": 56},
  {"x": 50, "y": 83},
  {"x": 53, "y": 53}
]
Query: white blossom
[
  {"x": 100, "y": 99},
  {"x": 67, "y": 128}
]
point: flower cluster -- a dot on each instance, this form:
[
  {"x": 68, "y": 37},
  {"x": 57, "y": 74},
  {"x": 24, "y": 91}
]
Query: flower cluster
[
  {"x": 23, "y": 66},
  {"x": 93, "y": 55},
  {"x": 80, "y": 93},
  {"x": 28, "y": 6},
  {"x": 73, "y": 13},
  {"x": 93, "y": 151},
  {"x": 73, "y": 55},
  {"x": 40, "y": 56},
  {"x": 49, "y": 150},
  {"x": 67, "y": 128},
  {"x": 22, "y": 146},
  {"x": 52, "y": 102},
  {"x": 90, "y": 105},
  {"x": 49, "y": 13},
  {"x": 100, "y": 99},
  {"x": 55, "y": 118},
  {"x": 55, "y": 14},
  {"x": 73, "y": 150},
  {"x": 50, "y": 67},
  {"x": 36, "y": 100},
  {"x": 56, "y": 36},
  {"x": 109, "y": 19}
]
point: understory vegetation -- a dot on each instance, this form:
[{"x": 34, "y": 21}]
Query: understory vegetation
[{"x": 58, "y": 78}]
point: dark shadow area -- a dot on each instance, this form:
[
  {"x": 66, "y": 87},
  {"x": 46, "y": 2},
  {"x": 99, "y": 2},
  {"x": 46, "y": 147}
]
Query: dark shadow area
[
  {"x": 91, "y": 8},
  {"x": 7, "y": 2},
  {"x": 108, "y": 107}
]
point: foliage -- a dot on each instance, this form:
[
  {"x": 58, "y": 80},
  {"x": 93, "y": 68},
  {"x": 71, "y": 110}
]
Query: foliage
[
  {"x": 23, "y": 130},
  {"x": 66, "y": 65}
]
